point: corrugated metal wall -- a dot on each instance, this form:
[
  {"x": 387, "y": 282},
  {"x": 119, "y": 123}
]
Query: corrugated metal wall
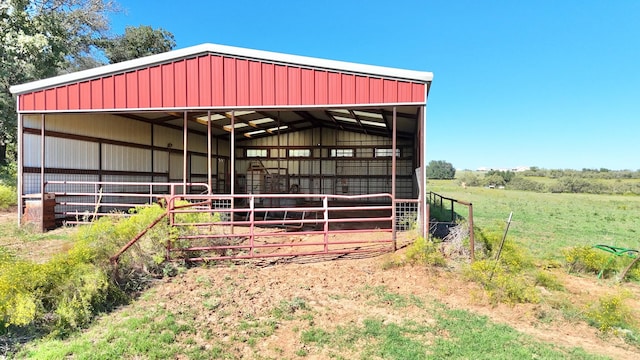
[
  {"x": 219, "y": 81},
  {"x": 362, "y": 174}
]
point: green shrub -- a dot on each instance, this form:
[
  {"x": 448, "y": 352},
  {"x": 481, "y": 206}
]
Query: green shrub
[
  {"x": 610, "y": 311},
  {"x": 586, "y": 259},
  {"x": 66, "y": 292},
  {"x": 424, "y": 252},
  {"x": 8, "y": 197},
  {"x": 510, "y": 279}
]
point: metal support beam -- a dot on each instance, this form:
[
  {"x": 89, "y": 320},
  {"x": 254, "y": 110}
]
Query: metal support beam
[
  {"x": 393, "y": 179},
  {"x": 232, "y": 158},
  {"x": 20, "y": 164},
  {"x": 185, "y": 143},
  {"x": 209, "y": 150},
  {"x": 42, "y": 165}
]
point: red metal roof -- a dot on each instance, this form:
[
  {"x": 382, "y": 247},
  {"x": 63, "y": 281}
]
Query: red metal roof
[{"x": 215, "y": 76}]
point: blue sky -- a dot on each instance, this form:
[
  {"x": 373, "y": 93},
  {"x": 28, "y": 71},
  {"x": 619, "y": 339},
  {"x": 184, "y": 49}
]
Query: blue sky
[{"x": 553, "y": 84}]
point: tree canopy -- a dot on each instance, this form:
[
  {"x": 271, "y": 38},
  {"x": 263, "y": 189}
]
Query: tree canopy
[
  {"x": 440, "y": 169},
  {"x": 138, "y": 42},
  {"x": 44, "y": 38}
]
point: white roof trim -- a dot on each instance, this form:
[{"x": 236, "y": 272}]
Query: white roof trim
[{"x": 304, "y": 61}]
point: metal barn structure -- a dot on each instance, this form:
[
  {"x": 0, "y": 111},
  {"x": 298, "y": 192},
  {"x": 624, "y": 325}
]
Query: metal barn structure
[{"x": 290, "y": 141}]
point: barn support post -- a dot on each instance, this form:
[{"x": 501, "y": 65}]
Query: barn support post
[
  {"x": 42, "y": 165},
  {"x": 20, "y": 164},
  {"x": 424, "y": 223},
  {"x": 393, "y": 179},
  {"x": 185, "y": 144},
  {"x": 209, "y": 151},
  {"x": 232, "y": 159}
]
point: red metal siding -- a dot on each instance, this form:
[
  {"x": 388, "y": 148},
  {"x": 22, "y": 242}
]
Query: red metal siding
[
  {"x": 229, "y": 89},
  {"x": 108, "y": 91},
  {"x": 390, "y": 91},
  {"x": 62, "y": 98},
  {"x": 204, "y": 80},
  {"x": 132, "y": 89},
  {"x": 308, "y": 85},
  {"x": 281, "y": 85},
  {"x": 362, "y": 89},
  {"x": 155, "y": 83},
  {"x": 255, "y": 88},
  {"x": 180, "y": 83},
  {"x": 50, "y": 98},
  {"x": 417, "y": 92},
  {"x": 96, "y": 94},
  {"x": 193, "y": 86},
  {"x": 85, "y": 95},
  {"x": 321, "y": 92},
  {"x": 348, "y": 89},
  {"x": 335, "y": 88},
  {"x": 121, "y": 91},
  {"x": 294, "y": 89},
  {"x": 74, "y": 96},
  {"x": 268, "y": 84},
  {"x": 144, "y": 92},
  {"x": 242, "y": 82},
  {"x": 215, "y": 81},
  {"x": 167, "y": 86}
]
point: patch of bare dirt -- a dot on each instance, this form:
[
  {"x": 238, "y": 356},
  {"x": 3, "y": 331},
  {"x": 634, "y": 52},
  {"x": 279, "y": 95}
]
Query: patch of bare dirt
[{"x": 340, "y": 292}]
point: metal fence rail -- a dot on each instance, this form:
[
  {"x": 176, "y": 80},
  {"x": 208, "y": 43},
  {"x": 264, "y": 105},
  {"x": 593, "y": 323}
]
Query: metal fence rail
[
  {"x": 225, "y": 227},
  {"x": 78, "y": 202}
]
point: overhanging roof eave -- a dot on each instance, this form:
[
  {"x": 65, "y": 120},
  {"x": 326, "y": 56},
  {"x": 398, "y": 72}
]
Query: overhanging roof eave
[{"x": 303, "y": 61}]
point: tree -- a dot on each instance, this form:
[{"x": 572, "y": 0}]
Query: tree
[
  {"x": 440, "y": 169},
  {"x": 138, "y": 42},
  {"x": 41, "y": 38}
]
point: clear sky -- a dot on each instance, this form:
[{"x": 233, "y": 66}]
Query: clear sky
[{"x": 547, "y": 83}]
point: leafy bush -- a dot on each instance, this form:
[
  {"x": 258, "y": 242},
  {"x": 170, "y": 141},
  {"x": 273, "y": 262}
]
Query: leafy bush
[
  {"x": 66, "y": 292},
  {"x": 524, "y": 184},
  {"x": 510, "y": 279},
  {"x": 424, "y": 252},
  {"x": 8, "y": 197},
  {"x": 586, "y": 259},
  {"x": 610, "y": 311}
]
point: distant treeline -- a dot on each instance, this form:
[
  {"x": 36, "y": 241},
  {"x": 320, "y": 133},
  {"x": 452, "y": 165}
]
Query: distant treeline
[{"x": 590, "y": 181}]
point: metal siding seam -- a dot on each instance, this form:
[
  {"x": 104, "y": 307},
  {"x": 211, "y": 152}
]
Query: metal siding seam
[
  {"x": 418, "y": 92},
  {"x": 404, "y": 91},
  {"x": 74, "y": 96}
]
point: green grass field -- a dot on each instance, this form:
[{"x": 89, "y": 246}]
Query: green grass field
[{"x": 545, "y": 222}]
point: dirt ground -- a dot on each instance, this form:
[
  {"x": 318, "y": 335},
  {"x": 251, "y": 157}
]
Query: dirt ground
[{"x": 332, "y": 287}]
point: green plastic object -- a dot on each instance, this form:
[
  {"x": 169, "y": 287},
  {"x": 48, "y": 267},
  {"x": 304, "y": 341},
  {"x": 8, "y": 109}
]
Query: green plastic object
[{"x": 615, "y": 251}]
